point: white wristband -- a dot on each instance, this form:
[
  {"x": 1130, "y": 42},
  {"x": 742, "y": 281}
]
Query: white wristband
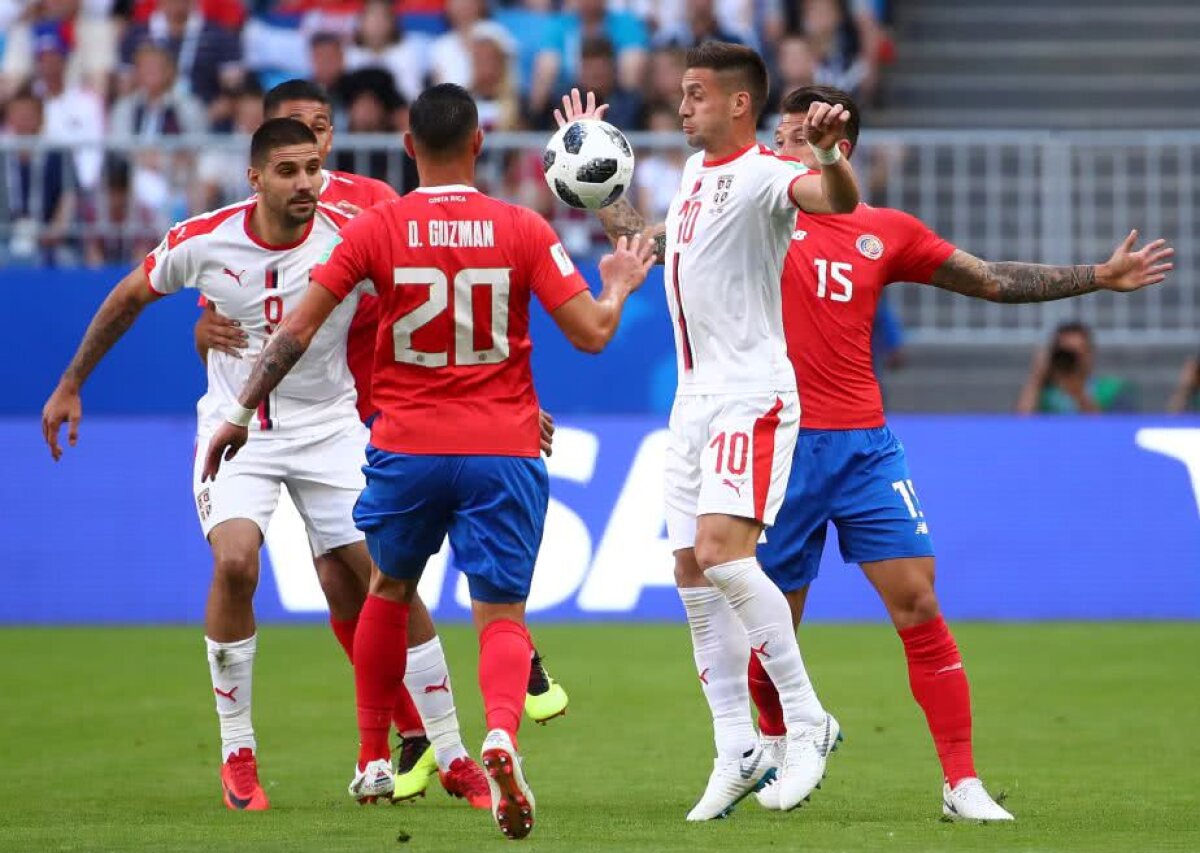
[
  {"x": 826, "y": 156},
  {"x": 239, "y": 415}
]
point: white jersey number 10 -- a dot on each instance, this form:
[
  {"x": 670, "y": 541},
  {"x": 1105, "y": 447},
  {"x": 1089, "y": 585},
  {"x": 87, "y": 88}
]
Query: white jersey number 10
[{"x": 496, "y": 280}]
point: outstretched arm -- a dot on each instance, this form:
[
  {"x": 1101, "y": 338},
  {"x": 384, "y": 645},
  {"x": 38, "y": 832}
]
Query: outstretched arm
[
  {"x": 588, "y": 322},
  {"x": 114, "y": 318},
  {"x": 284, "y": 348},
  {"x": 1012, "y": 282},
  {"x": 620, "y": 219}
]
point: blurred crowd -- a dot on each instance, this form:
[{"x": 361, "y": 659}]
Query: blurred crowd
[{"x": 138, "y": 72}]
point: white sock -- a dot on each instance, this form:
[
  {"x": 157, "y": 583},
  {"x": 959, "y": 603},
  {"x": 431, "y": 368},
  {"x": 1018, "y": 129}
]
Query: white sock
[
  {"x": 232, "y": 668},
  {"x": 428, "y": 681},
  {"x": 722, "y": 654},
  {"x": 763, "y": 610}
]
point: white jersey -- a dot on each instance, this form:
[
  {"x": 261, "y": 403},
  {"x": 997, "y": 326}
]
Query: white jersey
[
  {"x": 728, "y": 231},
  {"x": 257, "y": 284}
]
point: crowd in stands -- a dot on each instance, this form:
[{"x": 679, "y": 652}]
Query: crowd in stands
[{"x": 88, "y": 75}]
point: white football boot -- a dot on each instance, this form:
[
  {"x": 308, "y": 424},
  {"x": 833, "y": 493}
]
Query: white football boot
[
  {"x": 968, "y": 800},
  {"x": 808, "y": 749},
  {"x": 512, "y": 800},
  {"x": 776, "y": 750},
  {"x": 731, "y": 782},
  {"x": 374, "y": 782}
]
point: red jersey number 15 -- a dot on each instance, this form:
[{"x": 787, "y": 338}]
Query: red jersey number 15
[{"x": 464, "y": 287}]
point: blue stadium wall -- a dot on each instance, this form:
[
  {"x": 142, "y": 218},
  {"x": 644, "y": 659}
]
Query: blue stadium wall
[{"x": 1032, "y": 518}]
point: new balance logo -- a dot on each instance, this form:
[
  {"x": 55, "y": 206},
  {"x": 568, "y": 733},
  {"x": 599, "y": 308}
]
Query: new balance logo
[
  {"x": 951, "y": 668},
  {"x": 737, "y": 487},
  {"x": 922, "y": 528},
  {"x": 444, "y": 687},
  {"x": 230, "y": 695},
  {"x": 761, "y": 651},
  {"x": 236, "y": 276},
  {"x": 704, "y": 676},
  {"x": 799, "y": 235}
]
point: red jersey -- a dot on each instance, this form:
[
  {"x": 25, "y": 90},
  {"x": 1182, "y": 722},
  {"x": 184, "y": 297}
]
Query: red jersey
[
  {"x": 454, "y": 270},
  {"x": 834, "y": 273},
  {"x": 360, "y": 343}
]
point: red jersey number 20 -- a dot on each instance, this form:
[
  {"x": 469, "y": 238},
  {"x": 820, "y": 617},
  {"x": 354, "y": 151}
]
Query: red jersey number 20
[{"x": 464, "y": 286}]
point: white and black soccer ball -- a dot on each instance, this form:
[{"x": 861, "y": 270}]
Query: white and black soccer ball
[{"x": 588, "y": 164}]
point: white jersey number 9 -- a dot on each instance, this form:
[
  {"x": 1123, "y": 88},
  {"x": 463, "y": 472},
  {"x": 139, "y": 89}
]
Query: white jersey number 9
[{"x": 463, "y": 345}]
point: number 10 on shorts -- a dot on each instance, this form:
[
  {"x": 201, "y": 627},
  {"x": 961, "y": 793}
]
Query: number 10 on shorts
[{"x": 909, "y": 494}]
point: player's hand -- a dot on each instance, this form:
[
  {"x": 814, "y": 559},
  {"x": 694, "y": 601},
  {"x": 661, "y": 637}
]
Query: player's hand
[
  {"x": 629, "y": 263},
  {"x": 348, "y": 208},
  {"x": 214, "y": 332},
  {"x": 226, "y": 442},
  {"x": 546, "y": 421},
  {"x": 574, "y": 108},
  {"x": 1128, "y": 270},
  {"x": 64, "y": 405},
  {"x": 825, "y": 124}
]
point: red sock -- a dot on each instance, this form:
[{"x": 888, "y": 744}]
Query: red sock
[
  {"x": 939, "y": 684},
  {"x": 405, "y": 714},
  {"x": 504, "y": 659},
  {"x": 766, "y": 699},
  {"x": 380, "y": 656},
  {"x": 344, "y": 630}
]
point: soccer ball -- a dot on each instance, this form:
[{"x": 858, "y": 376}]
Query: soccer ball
[{"x": 588, "y": 164}]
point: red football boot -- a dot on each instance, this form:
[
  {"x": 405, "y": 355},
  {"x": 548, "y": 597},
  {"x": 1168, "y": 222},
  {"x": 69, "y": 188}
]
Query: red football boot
[
  {"x": 465, "y": 779},
  {"x": 239, "y": 783}
]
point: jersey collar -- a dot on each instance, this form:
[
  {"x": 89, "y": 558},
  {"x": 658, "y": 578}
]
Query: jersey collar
[
  {"x": 447, "y": 188},
  {"x": 730, "y": 158},
  {"x": 263, "y": 244}
]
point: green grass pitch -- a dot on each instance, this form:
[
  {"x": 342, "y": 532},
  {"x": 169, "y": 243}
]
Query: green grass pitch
[{"x": 109, "y": 743}]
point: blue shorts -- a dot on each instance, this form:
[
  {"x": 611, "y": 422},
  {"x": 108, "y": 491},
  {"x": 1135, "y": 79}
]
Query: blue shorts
[
  {"x": 492, "y": 507},
  {"x": 859, "y": 480}
]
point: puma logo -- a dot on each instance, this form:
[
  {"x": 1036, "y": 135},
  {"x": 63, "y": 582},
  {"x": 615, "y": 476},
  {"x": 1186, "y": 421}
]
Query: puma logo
[
  {"x": 737, "y": 487},
  {"x": 704, "y": 676},
  {"x": 230, "y": 695},
  {"x": 236, "y": 276},
  {"x": 761, "y": 651},
  {"x": 444, "y": 687}
]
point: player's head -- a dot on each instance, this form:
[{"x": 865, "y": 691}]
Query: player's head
[
  {"x": 285, "y": 170},
  {"x": 724, "y": 91},
  {"x": 304, "y": 101},
  {"x": 443, "y": 127},
  {"x": 789, "y": 135}
]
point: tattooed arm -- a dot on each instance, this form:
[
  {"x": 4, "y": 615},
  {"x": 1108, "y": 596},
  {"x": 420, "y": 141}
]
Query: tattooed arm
[
  {"x": 620, "y": 219},
  {"x": 1125, "y": 271},
  {"x": 114, "y": 318},
  {"x": 284, "y": 348}
]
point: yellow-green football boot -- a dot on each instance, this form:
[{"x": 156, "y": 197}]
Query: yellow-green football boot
[
  {"x": 415, "y": 766},
  {"x": 545, "y": 698}
]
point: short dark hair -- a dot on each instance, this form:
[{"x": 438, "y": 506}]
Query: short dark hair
[
  {"x": 597, "y": 47},
  {"x": 799, "y": 100},
  {"x": 1073, "y": 327},
  {"x": 738, "y": 59},
  {"x": 294, "y": 90},
  {"x": 276, "y": 133},
  {"x": 443, "y": 119}
]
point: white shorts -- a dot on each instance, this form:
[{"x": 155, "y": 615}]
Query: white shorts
[
  {"x": 322, "y": 473},
  {"x": 728, "y": 454}
]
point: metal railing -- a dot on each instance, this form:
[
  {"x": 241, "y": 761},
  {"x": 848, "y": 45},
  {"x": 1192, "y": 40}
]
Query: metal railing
[{"x": 1015, "y": 195}]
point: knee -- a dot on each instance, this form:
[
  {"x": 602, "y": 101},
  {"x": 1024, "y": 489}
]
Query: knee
[
  {"x": 687, "y": 570},
  {"x": 711, "y": 551},
  {"x": 237, "y": 571},
  {"x": 915, "y": 607}
]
